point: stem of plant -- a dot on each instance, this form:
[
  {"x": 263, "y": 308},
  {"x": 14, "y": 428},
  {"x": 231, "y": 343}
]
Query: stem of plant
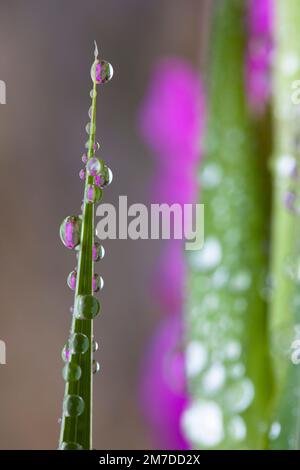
[{"x": 76, "y": 425}]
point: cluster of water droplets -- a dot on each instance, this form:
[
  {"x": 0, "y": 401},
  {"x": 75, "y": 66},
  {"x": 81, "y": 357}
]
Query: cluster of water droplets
[
  {"x": 220, "y": 284},
  {"x": 96, "y": 176}
]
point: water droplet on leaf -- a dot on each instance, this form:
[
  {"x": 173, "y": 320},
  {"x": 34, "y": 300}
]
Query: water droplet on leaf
[
  {"x": 87, "y": 307},
  {"x": 98, "y": 282},
  {"x": 94, "y": 166},
  {"x": 101, "y": 72},
  {"x": 71, "y": 281},
  {"x": 71, "y": 372},
  {"x": 73, "y": 405},
  {"x": 70, "y": 231},
  {"x": 98, "y": 251},
  {"x": 93, "y": 194},
  {"x": 79, "y": 343},
  {"x": 95, "y": 367}
]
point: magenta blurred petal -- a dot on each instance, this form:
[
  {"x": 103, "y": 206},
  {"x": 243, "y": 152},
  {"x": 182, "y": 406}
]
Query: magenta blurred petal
[
  {"x": 259, "y": 53},
  {"x": 162, "y": 391},
  {"x": 172, "y": 112}
]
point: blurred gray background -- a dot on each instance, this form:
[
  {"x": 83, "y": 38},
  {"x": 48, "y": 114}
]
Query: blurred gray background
[{"x": 46, "y": 49}]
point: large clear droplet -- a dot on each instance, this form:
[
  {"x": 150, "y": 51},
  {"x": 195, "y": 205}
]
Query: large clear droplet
[
  {"x": 94, "y": 166},
  {"x": 71, "y": 280},
  {"x": 93, "y": 194},
  {"x": 108, "y": 177},
  {"x": 87, "y": 307},
  {"x": 70, "y": 446},
  {"x": 79, "y": 343},
  {"x": 98, "y": 251},
  {"x": 98, "y": 282},
  {"x": 101, "y": 72},
  {"x": 73, "y": 405},
  {"x": 95, "y": 366},
  {"x": 71, "y": 372},
  {"x": 95, "y": 346},
  {"x": 70, "y": 231}
]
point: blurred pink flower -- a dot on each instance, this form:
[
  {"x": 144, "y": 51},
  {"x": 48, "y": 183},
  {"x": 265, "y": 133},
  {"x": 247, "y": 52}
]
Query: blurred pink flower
[
  {"x": 259, "y": 53},
  {"x": 171, "y": 118},
  {"x": 172, "y": 121},
  {"x": 163, "y": 396},
  {"x": 168, "y": 283},
  {"x": 172, "y": 124}
]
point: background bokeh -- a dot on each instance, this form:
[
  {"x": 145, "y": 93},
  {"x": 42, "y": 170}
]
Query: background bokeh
[{"x": 46, "y": 49}]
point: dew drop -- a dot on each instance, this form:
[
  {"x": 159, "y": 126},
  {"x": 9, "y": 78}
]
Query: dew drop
[
  {"x": 241, "y": 281},
  {"x": 93, "y": 194},
  {"x": 87, "y": 307},
  {"x": 96, "y": 146},
  {"x": 101, "y": 72},
  {"x": 93, "y": 93},
  {"x": 95, "y": 366},
  {"x": 98, "y": 282},
  {"x": 99, "y": 180},
  {"x": 73, "y": 405},
  {"x": 196, "y": 358},
  {"x": 79, "y": 343},
  {"x": 70, "y": 446},
  {"x": 237, "y": 428},
  {"x": 98, "y": 251},
  {"x": 71, "y": 280},
  {"x": 84, "y": 158},
  {"x": 236, "y": 371},
  {"x": 275, "y": 430},
  {"x": 71, "y": 372},
  {"x": 239, "y": 395},
  {"x": 65, "y": 353},
  {"x": 220, "y": 277},
  {"x": 202, "y": 423},
  {"x": 90, "y": 128},
  {"x": 95, "y": 346},
  {"x": 292, "y": 269},
  {"x": 209, "y": 257},
  {"x": 232, "y": 350},
  {"x": 295, "y": 356},
  {"x": 290, "y": 64},
  {"x": 211, "y": 176},
  {"x": 108, "y": 177},
  {"x": 70, "y": 231},
  {"x": 286, "y": 166},
  {"x": 214, "y": 378},
  {"x": 94, "y": 166},
  {"x": 82, "y": 174}
]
